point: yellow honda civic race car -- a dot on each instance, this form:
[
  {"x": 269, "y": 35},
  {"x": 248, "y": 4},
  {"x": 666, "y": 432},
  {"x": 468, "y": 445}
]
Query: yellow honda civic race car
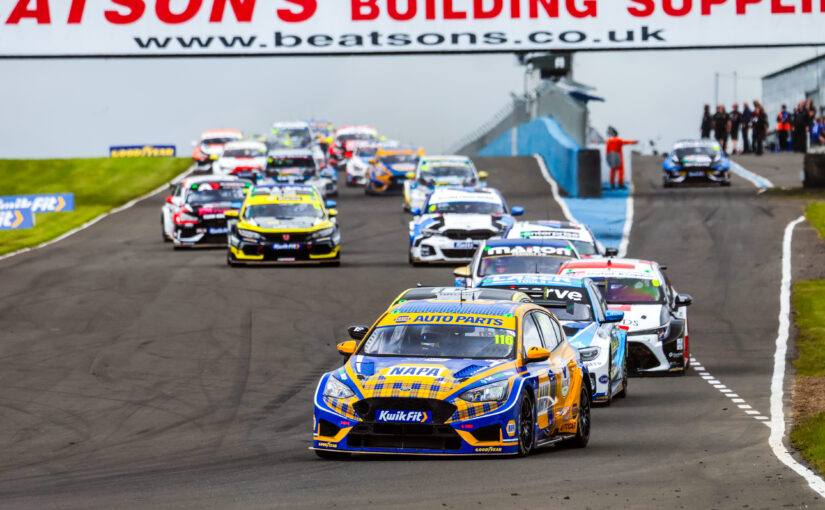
[
  {"x": 281, "y": 224},
  {"x": 435, "y": 377}
]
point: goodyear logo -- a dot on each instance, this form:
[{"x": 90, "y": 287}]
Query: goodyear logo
[
  {"x": 143, "y": 151},
  {"x": 403, "y": 416},
  {"x": 416, "y": 371},
  {"x": 489, "y": 449}
]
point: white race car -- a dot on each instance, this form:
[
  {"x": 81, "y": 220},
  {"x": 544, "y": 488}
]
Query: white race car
[
  {"x": 455, "y": 221},
  {"x": 358, "y": 164},
  {"x": 654, "y": 313},
  {"x": 245, "y": 159},
  {"x": 435, "y": 172},
  {"x": 210, "y": 146},
  {"x": 579, "y": 235},
  {"x": 299, "y": 166}
]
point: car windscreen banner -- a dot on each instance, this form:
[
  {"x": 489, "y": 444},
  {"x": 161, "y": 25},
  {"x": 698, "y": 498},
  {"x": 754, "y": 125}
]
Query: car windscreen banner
[{"x": 32, "y": 28}]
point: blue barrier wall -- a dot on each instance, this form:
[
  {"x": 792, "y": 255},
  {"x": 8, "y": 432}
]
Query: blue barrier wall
[{"x": 542, "y": 136}]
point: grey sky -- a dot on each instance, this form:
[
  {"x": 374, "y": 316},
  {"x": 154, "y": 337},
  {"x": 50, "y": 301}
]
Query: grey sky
[{"x": 67, "y": 108}]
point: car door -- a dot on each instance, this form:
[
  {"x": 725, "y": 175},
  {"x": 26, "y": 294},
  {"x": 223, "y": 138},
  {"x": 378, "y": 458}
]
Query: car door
[
  {"x": 564, "y": 367},
  {"x": 169, "y": 210},
  {"x": 541, "y": 371}
]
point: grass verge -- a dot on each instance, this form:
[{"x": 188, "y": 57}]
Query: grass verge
[
  {"x": 99, "y": 185},
  {"x": 808, "y": 298},
  {"x": 809, "y": 437},
  {"x": 815, "y": 213}
]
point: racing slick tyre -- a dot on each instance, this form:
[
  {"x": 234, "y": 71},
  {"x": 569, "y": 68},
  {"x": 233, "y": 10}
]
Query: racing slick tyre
[
  {"x": 623, "y": 393},
  {"x": 526, "y": 426},
  {"x": 582, "y": 436},
  {"x": 230, "y": 260},
  {"x": 666, "y": 184},
  {"x": 412, "y": 261},
  {"x": 163, "y": 231},
  {"x": 328, "y": 455},
  {"x": 725, "y": 183}
]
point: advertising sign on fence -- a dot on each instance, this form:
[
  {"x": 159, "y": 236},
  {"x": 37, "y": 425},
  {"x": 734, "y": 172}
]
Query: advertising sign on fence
[
  {"x": 42, "y": 203},
  {"x": 143, "y": 151},
  {"x": 16, "y": 219},
  {"x": 321, "y": 27}
]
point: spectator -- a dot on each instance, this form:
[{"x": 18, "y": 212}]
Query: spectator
[
  {"x": 615, "y": 158},
  {"x": 734, "y": 124},
  {"x": 817, "y": 132},
  {"x": 783, "y": 127},
  {"x": 747, "y": 118},
  {"x": 801, "y": 126},
  {"x": 720, "y": 127},
  {"x": 760, "y": 128},
  {"x": 822, "y": 131},
  {"x": 707, "y": 122}
]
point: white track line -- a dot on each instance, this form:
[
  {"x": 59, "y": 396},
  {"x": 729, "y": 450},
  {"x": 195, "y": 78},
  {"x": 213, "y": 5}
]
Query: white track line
[
  {"x": 91, "y": 222},
  {"x": 757, "y": 180},
  {"x": 555, "y": 187},
  {"x": 725, "y": 391},
  {"x": 777, "y": 423}
]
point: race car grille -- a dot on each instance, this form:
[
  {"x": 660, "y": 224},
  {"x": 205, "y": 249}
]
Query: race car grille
[
  {"x": 404, "y": 436},
  {"x": 441, "y": 411},
  {"x": 463, "y": 235},
  {"x": 327, "y": 429},
  {"x": 286, "y": 238},
  {"x": 488, "y": 433},
  {"x": 641, "y": 358},
  {"x": 459, "y": 254}
]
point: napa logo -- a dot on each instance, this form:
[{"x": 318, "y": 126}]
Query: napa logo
[
  {"x": 403, "y": 416},
  {"x": 416, "y": 371}
]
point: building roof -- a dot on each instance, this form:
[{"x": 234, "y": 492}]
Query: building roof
[{"x": 793, "y": 67}]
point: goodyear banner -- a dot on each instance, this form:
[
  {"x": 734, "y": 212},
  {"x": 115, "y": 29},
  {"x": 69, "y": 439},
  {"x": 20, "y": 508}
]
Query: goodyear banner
[
  {"x": 48, "y": 28},
  {"x": 43, "y": 203},
  {"x": 143, "y": 151},
  {"x": 16, "y": 219}
]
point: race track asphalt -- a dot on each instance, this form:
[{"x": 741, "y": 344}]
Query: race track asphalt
[{"x": 135, "y": 376}]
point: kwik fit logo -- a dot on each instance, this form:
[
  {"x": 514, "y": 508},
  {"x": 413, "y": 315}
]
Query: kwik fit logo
[{"x": 403, "y": 416}]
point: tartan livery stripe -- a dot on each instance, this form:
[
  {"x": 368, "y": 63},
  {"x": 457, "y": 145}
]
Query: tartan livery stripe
[
  {"x": 467, "y": 410},
  {"x": 342, "y": 407},
  {"x": 379, "y": 386}
]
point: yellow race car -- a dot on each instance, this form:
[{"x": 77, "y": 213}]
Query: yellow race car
[
  {"x": 440, "y": 377},
  {"x": 387, "y": 171},
  {"x": 282, "y": 224}
]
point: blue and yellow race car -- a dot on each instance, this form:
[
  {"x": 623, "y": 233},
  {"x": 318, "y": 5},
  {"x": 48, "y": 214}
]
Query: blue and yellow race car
[{"x": 434, "y": 377}]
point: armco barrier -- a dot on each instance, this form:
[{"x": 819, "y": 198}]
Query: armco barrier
[{"x": 562, "y": 154}]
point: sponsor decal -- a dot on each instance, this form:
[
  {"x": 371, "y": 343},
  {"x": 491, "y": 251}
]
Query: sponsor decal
[
  {"x": 603, "y": 379},
  {"x": 458, "y": 319},
  {"x": 386, "y": 416},
  {"x": 401, "y": 319},
  {"x": 511, "y": 428},
  {"x": 568, "y": 428},
  {"x": 563, "y": 294},
  {"x": 489, "y": 449},
  {"x": 16, "y": 219},
  {"x": 417, "y": 371},
  {"x": 43, "y": 203},
  {"x": 143, "y": 151},
  {"x": 327, "y": 445},
  {"x": 574, "y": 235},
  {"x": 286, "y": 246},
  {"x": 536, "y": 251},
  {"x": 565, "y": 380}
]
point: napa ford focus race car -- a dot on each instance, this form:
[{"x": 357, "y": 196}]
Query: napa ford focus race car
[
  {"x": 515, "y": 256},
  {"x": 654, "y": 314},
  {"x": 211, "y": 145},
  {"x": 696, "y": 161},
  {"x": 579, "y": 235},
  {"x": 245, "y": 159},
  {"x": 588, "y": 324},
  {"x": 194, "y": 215},
  {"x": 454, "y": 378},
  {"x": 287, "y": 224},
  {"x": 454, "y": 223},
  {"x": 299, "y": 166},
  {"x": 389, "y": 170},
  {"x": 440, "y": 171}
]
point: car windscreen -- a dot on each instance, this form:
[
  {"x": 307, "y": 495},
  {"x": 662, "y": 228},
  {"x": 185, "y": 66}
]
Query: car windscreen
[
  {"x": 292, "y": 163},
  {"x": 630, "y": 291},
  {"x": 218, "y": 141},
  {"x": 465, "y": 208},
  {"x": 295, "y": 136},
  {"x": 441, "y": 341},
  {"x": 283, "y": 211},
  {"x": 244, "y": 153},
  {"x": 204, "y": 195},
  {"x": 401, "y": 158},
  {"x": 584, "y": 247},
  {"x": 447, "y": 172},
  {"x": 698, "y": 150},
  {"x": 366, "y": 153},
  {"x": 355, "y": 136},
  {"x": 514, "y": 264}
]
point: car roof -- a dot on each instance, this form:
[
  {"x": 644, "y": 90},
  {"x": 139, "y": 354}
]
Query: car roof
[
  {"x": 274, "y": 199},
  {"x": 583, "y": 232},
  {"x": 446, "y": 195},
  {"x": 537, "y": 280},
  {"x": 343, "y": 130},
  {"x": 462, "y": 294},
  {"x": 197, "y": 179},
  {"x": 290, "y": 125},
  {"x": 264, "y": 189},
  {"x": 696, "y": 143},
  {"x": 599, "y": 267},
  {"x": 245, "y": 144},
  {"x": 494, "y": 308},
  {"x": 555, "y": 243}
]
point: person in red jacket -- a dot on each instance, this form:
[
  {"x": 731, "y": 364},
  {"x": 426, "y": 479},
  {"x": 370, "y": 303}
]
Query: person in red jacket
[{"x": 615, "y": 158}]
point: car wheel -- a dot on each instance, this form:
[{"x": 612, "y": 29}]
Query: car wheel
[
  {"x": 623, "y": 393},
  {"x": 526, "y": 426},
  {"x": 582, "y": 436},
  {"x": 725, "y": 183},
  {"x": 230, "y": 260},
  {"x": 328, "y": 455},
  {"x": 163, "y": 230},
  {"x": 666, "y": 184}
]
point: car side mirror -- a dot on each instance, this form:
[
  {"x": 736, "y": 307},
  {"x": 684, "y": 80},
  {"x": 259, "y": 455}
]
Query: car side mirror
[
  {"x": 517, "y": 211},
  {"x": 410, "y": 175},
  {"x": 357, "y": 332},
  {"x": 332, "y": 213},
  {"x": 330, "y": 204},
  {"x": 463, "y": 272},
  {"x": 347, "y": 348},
  {"x": 613, "y": 316},
  {"x": 170, "y": 199},
  {"x": 611, "y": 252},
  {"x": 483, "y": 175},
  {"x": 663, "y": 268},
  {"x": 684, "y": 300},
  {"x": 415, "y": 211},
  {"x": 373, "y": 161},
  {"x": 536, "y": 354}
]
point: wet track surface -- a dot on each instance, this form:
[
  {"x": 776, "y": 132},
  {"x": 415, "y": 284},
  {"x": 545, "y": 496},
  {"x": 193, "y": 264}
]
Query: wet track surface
[{"x": 134, "y": 376}]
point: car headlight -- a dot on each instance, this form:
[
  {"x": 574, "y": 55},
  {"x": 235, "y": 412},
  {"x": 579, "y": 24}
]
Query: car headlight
[
  {"x": 661, "y": 332},
  {"x": 430, "y": 232},
  {"x": 336, "y": 389},
  {"x": 323, "y": 233},
  {"x": 494, "y": 392},
  {"x": 250, "y": 234},
  {"x": 589, "y": 353}
]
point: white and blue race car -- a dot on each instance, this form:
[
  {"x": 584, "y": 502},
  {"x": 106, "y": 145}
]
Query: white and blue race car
[
  {"x": 440, "y": 171},
  {"x": 578, "y": 234},
  {"x": 587, "y": 322},
  {"x": 455, "y": 221}
]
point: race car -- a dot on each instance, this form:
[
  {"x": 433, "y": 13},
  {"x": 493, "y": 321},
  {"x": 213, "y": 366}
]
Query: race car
[
  {"x": 388, "y": 171},
  {"x": 578, "y": 234},
  {"x": 696, "y": 161},
  {"x": 211, "y": 145},
  {"x": 295, "y": 135},
  {"x": 289, "y": 224},
  {"x": 245, "y": 159},
  {"x": 356, "y": 167},
  {"x": 439, "y": 171},
  {"x": 654, "y": 313},
  {"x": 299, "y": 166},
  {"x": 454, "y": 378},
  {"x": 194, "y": 215},
  {"x": 345, "y": 140},
  {"x": 455, "y": 221},
  {"x": 589, "y": 325},
  {"x": 515, "y": 256}
]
